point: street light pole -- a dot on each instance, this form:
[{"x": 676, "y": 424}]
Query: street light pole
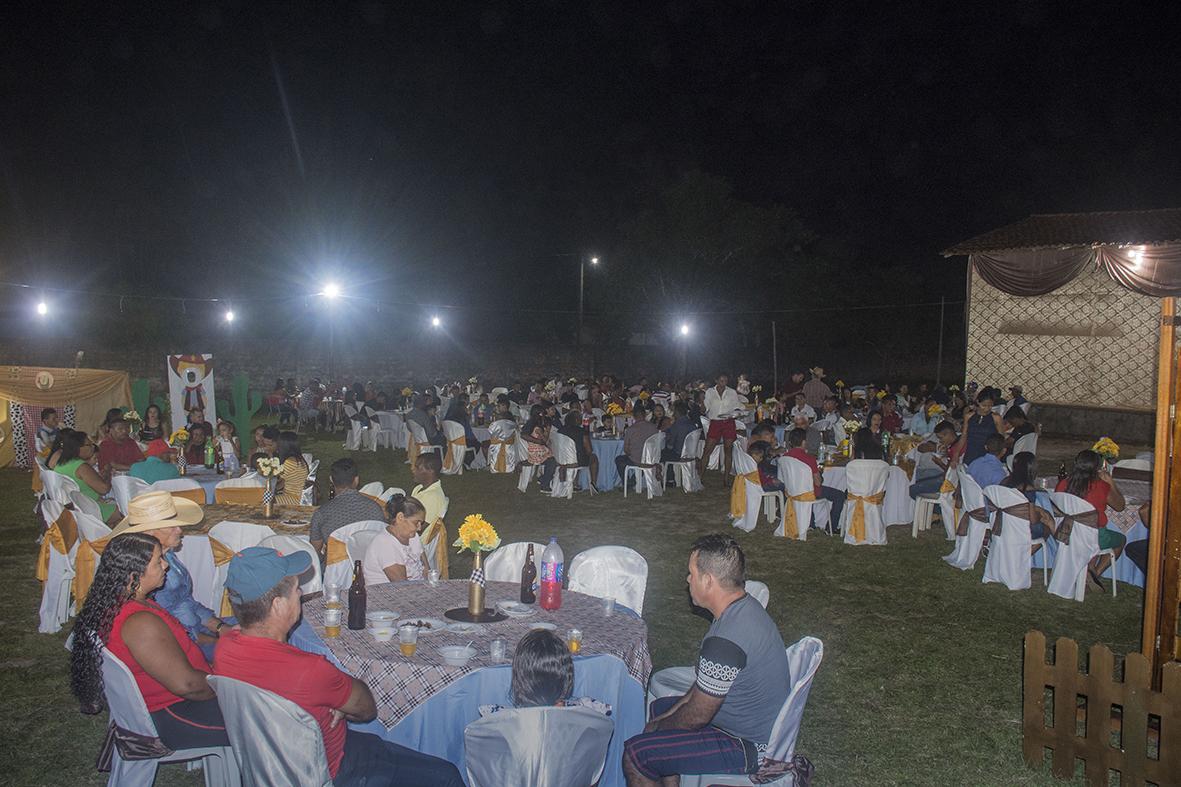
[{"x": 581, "y": 288}]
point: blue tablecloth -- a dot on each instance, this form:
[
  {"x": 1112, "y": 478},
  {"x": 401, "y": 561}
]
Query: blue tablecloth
[
  {"x": 436, "y": 726},
  {"x": 1125, "y": 570},
  {"x": 208, "y": 479},
  {"x": 607, "y": 449}
]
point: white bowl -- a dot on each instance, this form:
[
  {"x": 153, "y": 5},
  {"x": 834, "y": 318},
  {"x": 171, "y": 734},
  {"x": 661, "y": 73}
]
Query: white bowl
[
  {"x": 456, "y": 655},
  {"x": 380, "y": 616},
  {"x": 382, "y": 634}
]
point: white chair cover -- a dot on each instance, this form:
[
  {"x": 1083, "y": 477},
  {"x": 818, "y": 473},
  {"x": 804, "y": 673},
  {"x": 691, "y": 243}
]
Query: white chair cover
[
  {"x": 125, "y": 488},
  {"x": 758, "y": 591},
  {"x": 1069, "y": 579},
  {"x": 361, "y": 435},
  {"x": 83, "y": 503},
  {"x": 289, "y": 545},
  {"x": 743, "y": 464},
  {"x": 56, "y": 607},
  {"x": 688, "y": 479},
  {"x": 431, "y": 548},
  {"x": 251, "y": 479},
  {"x": 235, "y": 536},
  {"x": 504, "y": 431},
  {"x": 175, "y": 485},
  {"x": 1008, "y": 560},
  {"x": 537, "y": 747},
  {"x": 1025, "y": 443},
  {"x": 391, "y": 432},
  {"x": 967, "y": 548},
  {"x": 417, "y": 442},
  {"x": 505, "y": 563},
  {"x": 456, "y": 448},
  {"x": 129, "y": 711},
  {"x": 358, "y": 542},
  {"x": 372, "y": 488},
  {"x": 341, "y": 572},
  {"x": 865, "y": 477},
  {"x": 947, "y": 508},
  {"x": 646, "y": 476},
  {"x": 57, "y": 487},
  {"x": 393, "y": 490},
  {"x": 797, "y": 480},
  {"x": 617, "y": 572},
  {"x": 1134, "y": 464},
  {"x": 275, "y": 742},
  {"x": 566, "y": 452}
]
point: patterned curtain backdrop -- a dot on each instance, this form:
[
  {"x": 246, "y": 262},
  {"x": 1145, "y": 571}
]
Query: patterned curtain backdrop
[
  {"x": 25, "y": 420},
  {"x": 1090, "y": 342}
]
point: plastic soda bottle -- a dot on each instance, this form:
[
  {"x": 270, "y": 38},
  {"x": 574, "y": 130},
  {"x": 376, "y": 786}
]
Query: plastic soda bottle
[{"x": 553, "y": 563}]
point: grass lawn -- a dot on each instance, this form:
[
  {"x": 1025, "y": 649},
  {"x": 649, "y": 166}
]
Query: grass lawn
[{"x": 921, "y": 680}]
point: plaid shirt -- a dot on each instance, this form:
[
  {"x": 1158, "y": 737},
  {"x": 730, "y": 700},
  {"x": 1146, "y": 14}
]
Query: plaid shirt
[{"x": 346, "y": 508}]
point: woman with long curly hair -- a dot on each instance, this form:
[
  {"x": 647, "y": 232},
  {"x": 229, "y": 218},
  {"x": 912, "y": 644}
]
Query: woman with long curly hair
[
  {"x": 1089, "y": 480},
  {"x": 168, "y": 667}
]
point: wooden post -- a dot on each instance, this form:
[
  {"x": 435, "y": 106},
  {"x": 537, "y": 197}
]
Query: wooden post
[{"x": 1162, "y": 472}]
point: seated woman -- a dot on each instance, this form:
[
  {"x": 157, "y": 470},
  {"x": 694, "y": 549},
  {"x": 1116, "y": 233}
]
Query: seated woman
[
  {"x": 1092, "y": 483},
  {"x": 73, "y": 460},
  {"x": 153, "y": 427},
  {"x": 167, "y": 665},
  {"x": 458, "y": 412},
  {"x": 866, "y": 445},
  {"x": 396, "y": 554},
  {"x": 659, "y": 419},
  {"x": 1023, "y": 478},
  {"x": 574, "y": 429},
  {"x": 543, "y": 676},
  {"x": 535, "y": 434},
  {"x": 293, "y": 470}
]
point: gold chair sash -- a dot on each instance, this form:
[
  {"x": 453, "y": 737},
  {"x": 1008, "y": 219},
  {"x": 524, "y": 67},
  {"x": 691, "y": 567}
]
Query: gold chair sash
[
  {"x": 84, "y": 566},
  {"x": 61, "y": 535},
  {"x": 336, "y": 551},
  {"x": 946, "y": 486},
  {"x": 238, "y": 495},
  {"x": 448, "y": 462},
  {"x": 1088, "y": 519},
  {"x": 857, "y": 522},
  {"x": 502, "y": 454},
  {"x": 37, "y": 479},
  {"x": 196, "y": 495},
  {"x": 790, "y": 523},
  {"x": 440, "y": 545},
  {"x": 738, "y": 492},
  {"x": 222, "y": 554}
]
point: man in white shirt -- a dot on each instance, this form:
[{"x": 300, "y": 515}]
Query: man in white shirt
[
  {"x": 721, "y": 405},
  {"x": 803, "y": 410}
]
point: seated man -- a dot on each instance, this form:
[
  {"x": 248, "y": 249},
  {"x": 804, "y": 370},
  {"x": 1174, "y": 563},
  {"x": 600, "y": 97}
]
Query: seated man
[
  {"x": 264, "y": 592},
  {"x": 796, "y": 450},
  {"x": 423, "y": 414},
  {"x": 119, "y": 451},
  {"x": 935, "y": 456},
  {"x": 633, "y": 441},
  {"x": 346, "y": 506},
  {"x": 768, "y": 472},
  {"x": 802, "y": 410},
  {"x": 1019, "y": 426},
  {"x": 674, "y": 436},
  {"x": 157, "y": 464},
  {"x": 572, "y": 427},
  {"x": 743, "y": 679},
  {"x": 428, "y": 489},
  {"x": 988, "y": 469},
  {"x": 765, "y": 431},
  {"x": 891, "y": 418},
  {"x": 195, "y": 450}
]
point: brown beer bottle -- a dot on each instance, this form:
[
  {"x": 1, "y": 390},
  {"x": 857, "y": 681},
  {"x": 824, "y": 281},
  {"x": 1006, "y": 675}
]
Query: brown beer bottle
[
  {"x": 357, "y": 598},
  {"x": 528, "y": 576}
]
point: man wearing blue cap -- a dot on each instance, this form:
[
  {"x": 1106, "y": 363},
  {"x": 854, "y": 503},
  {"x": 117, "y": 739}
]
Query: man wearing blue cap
[{"x": 264, "y": 591}]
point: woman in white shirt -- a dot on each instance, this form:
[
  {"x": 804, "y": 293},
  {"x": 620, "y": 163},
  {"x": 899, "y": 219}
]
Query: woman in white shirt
[{"x": 395, "y": 554}]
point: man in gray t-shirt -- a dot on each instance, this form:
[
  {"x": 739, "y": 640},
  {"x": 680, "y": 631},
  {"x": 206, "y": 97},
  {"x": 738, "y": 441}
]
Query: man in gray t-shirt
[{"x": 743, "y": 679}]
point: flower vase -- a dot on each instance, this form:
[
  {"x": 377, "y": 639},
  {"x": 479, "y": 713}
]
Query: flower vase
[
  {"x": 268, "y": 499},
  {"x": 182, "y": 464},
  {"x": 475, "y": 588}
]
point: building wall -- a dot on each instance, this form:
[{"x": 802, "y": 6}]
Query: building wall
[{"x": 1090, "y": 344}]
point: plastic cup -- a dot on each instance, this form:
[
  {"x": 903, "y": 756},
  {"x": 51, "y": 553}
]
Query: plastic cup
[
  {"x": 332, "y": 596},
  {"x": 574, "y": 641},
  {"x": 332, "y": 622},
  {"x": 432, "y": 577},
  {"x": 408, "y": 640},
  {"x": 496, "y": 650},
  {"x": 609, "y": 606}
]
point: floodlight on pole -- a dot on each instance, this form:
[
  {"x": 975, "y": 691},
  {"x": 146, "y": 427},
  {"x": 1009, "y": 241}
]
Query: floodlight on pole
[
  {"x": 435, "y": 321},
  {"x": 331, "y": 290},
  {"x": 594, "y": 260},
  {"x": 42, "y": 308},
  {"x": 684, "y": 329},
  {"x": 229, "y": 315}
]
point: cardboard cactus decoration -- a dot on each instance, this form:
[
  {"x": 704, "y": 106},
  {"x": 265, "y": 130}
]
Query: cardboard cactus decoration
[
  {"x": 246, "y": 404},
  {"x": 141, "y": 398}
]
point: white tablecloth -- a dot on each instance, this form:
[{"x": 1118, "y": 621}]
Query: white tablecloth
[{"x": 898, "y": 508}]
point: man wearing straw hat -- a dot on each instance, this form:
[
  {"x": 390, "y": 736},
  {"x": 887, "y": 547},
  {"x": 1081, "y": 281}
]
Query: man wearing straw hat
[
  {"x": 816, "y": 390},
  {"x": 163, "y": 515}
]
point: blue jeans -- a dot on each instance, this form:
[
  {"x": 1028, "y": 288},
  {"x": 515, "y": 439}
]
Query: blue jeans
[
  {"x": 369, "y": 761},
  {"x": 928, "y": 480}
]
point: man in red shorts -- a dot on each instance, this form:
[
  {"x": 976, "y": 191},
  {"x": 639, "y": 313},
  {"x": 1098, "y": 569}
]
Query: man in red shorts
[{"x": 721, "y": 405}]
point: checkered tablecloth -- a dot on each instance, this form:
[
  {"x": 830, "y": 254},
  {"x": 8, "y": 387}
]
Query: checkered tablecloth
[
  {"x": 400, "y": 684},
  {"x": 1135, "y": 493}
]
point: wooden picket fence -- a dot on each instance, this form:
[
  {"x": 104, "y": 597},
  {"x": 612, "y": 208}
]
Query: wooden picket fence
[{"x": 1111, "y": 725}]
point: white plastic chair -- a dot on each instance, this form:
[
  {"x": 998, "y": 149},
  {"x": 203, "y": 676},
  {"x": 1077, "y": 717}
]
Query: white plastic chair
[
  {"x": 418, "y": 441},
  {"x": 1069, "y": 579},
  {"x": 83, "y": 503},
  {"x": 456, "y": 449},
  {"x": 341, "y": 572},
  {"x": 617, "y": 572},
  {"x": 947, "y": 508},
  {"x": 274, "y": 741},
  {"x": 175, "y": 485},
  {"x": 645, "y": 473},
  {"x": 57, "y": 487},
  {"x": 250, "y": 479},
  {"x": 505, "y": 563},
  {"x": 502, "y": 450},
  {"x": 688, "y": 479},
  {"x": 865, "y": 478},
  {"x": 803, "y": 659},
  {"x": 758, "y": 591},
  {"x": 361, "y": 434},
  {"x": 743, "y": 466},
  {"x": 56, "y": 607},
  {"x": 385, "y": 496},
  {"x": 1009, "y": 558},
  {"x": 798, "y": 481},
  {"x": 373, "y": 488},
  {"x": 1024, "y": 443},
  {"x": 358, "y": 543},
  {"x": 967, "y": 547},
  {"x": 391, "y": 431},
  {"x": 125, "y": 488},
  {"x": 289, "y": 545},
  {"x": 129, "y": 711},
  {"x": 566, "y": 454},
  {"x": 1134, "y": 464},
  {"x": 537, "y": 747}
]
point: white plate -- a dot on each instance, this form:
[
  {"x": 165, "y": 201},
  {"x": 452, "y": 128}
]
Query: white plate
[
  {"x": 462, "y": 628},
  {"x": 515, "y": 609},
  {"x": 426, "y": 625},
  {"x": 543, "y": 625}
]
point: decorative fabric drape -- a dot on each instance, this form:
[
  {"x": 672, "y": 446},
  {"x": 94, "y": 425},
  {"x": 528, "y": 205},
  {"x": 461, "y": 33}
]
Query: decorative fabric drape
[{"x": 1148, "y": 270}]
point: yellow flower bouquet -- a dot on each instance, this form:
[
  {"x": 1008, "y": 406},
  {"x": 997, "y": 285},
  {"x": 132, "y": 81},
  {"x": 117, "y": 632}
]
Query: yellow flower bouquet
[
  {"x": 407, "y": 391},
  {"x": 1106, "y": 448},
  {"x": 614, "y": 409},
  {"x": 839, "y": 383},
  {"x": 179, "y": 438},
  {"x": 476, "y": 534},
  {"x": 269, "y": 467},
  {"x": 132, "y": 417}
]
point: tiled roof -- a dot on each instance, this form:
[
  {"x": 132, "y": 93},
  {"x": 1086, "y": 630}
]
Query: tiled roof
[{"x": 1066, "y": 230}]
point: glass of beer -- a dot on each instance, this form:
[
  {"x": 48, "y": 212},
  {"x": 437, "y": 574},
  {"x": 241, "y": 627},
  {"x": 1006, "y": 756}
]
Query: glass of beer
[
  {"x": 332, "y": 597},
  {"x": 574, "y": 641},
  {"x": 332, "y": 621},
  {"x": 408, "y": 640}
]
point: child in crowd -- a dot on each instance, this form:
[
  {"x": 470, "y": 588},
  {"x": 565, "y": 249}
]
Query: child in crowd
[
  {"x": 543, "y": 676},
  {"x": 227, "y": 439},
  {"x": 760, "y": 451}
]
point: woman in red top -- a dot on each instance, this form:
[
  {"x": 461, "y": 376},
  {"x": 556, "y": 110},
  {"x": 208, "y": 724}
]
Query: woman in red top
[
  {"x": 1090, "y": 481},
  {"x": 167, "y": 665}
]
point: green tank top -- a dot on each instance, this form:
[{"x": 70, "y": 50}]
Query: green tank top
[{"x": 70, "y": 470}]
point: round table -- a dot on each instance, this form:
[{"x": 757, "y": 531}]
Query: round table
[
  {"x": 425, "y": 704},
  {"x": 607, "y": 448},
  {"x": 208, "y": 479}
]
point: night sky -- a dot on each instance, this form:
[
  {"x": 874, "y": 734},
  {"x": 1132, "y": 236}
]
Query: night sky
[{"x": 451, "y": 151}]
